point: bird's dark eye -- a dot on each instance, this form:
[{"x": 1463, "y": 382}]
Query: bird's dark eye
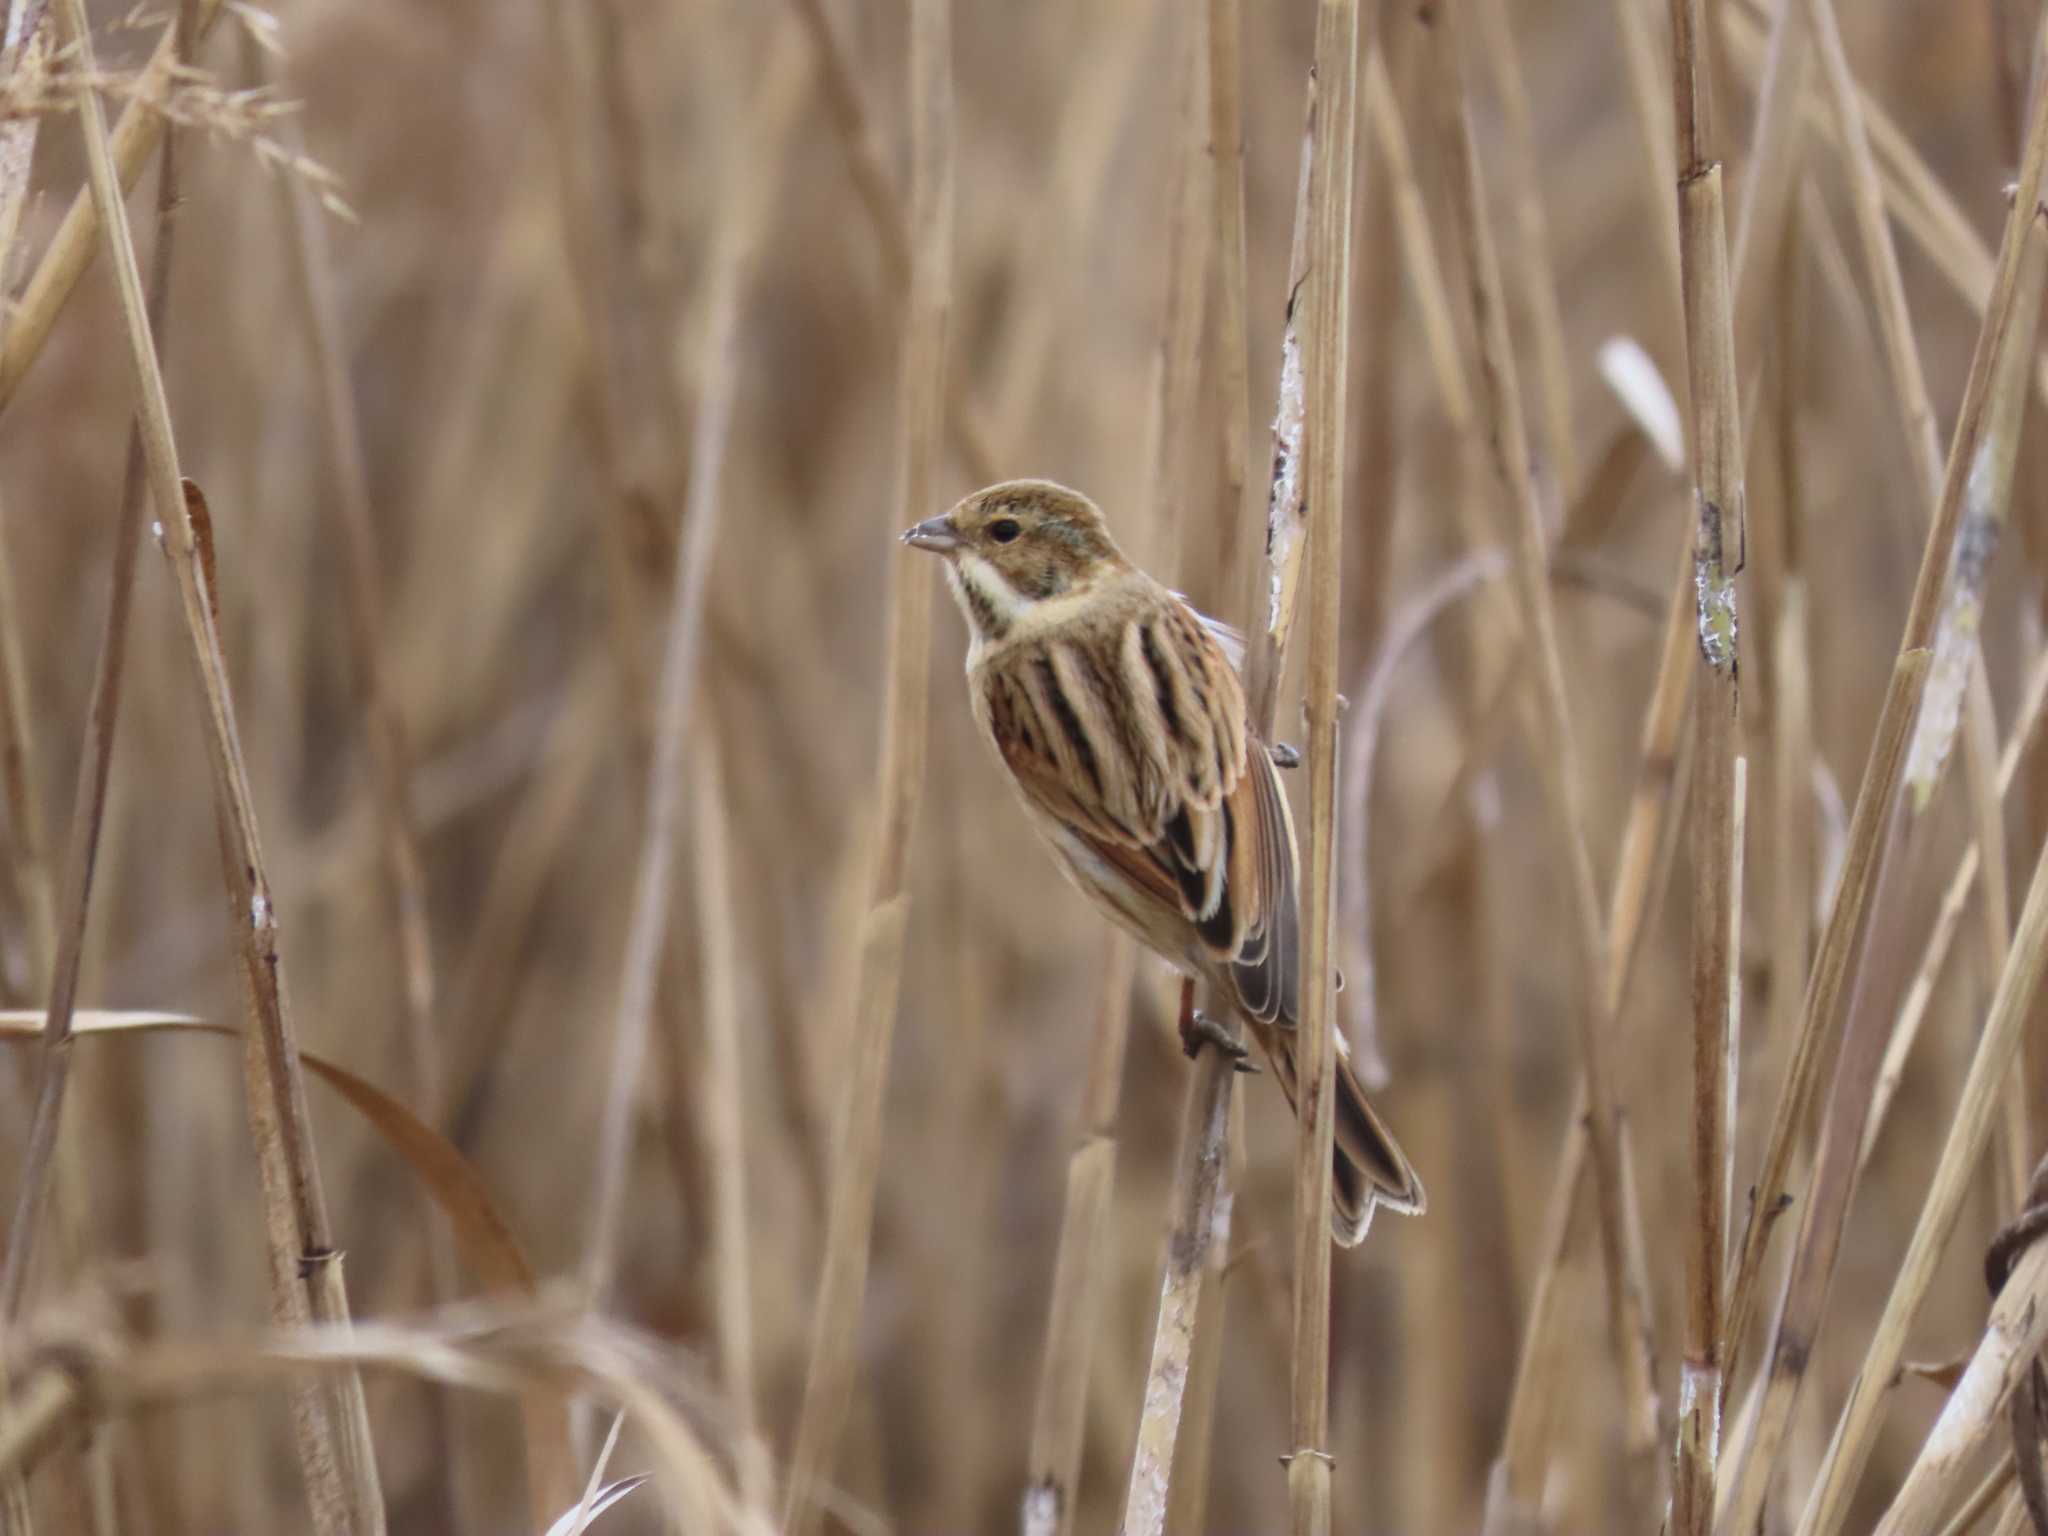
[{"x": 1004, "y": 530}]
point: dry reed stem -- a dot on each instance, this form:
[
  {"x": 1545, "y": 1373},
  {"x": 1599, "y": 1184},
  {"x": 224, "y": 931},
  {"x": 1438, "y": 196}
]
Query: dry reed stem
[
  {"x": 1719, "y": 539},
  {"x": 71, "y": 250},
  {"x": 749, "y": 193},
  {"x": 1508, "y": 439},
  {"x": 1920, "y": 991},
  {"x": 842, "y": 1286},
  {"x": 725, "y": 1135},
  {"x": 2012, "y": 1341},
  {"x": 1196, "y": 1181},
  {"x": 1531, "y": 264},
  {"x": 1326, "y": 339},
  {"x": 1652, "y": 109},
  {"x": 305, "y": 1262}
]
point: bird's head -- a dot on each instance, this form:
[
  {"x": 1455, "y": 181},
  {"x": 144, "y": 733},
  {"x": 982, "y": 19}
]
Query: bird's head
[{"x": 1016, "y": 545}]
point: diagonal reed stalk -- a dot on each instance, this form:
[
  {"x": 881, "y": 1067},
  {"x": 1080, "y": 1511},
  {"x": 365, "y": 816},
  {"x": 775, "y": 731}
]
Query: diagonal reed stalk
[
  {"x": 1720, "y": 529},
  {"x": 1326, "y": 370},
  {"x": 305, "y": 1263},
  {"x": 1843, "y": 1464},
  {"x": 842, "y": 1287}
]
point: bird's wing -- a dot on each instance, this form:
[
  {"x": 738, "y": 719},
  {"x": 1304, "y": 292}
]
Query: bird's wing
[{"x": 1132, "y": 737}]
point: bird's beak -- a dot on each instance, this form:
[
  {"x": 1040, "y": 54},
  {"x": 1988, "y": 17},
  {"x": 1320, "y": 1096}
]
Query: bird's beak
[{"x": 935, "y": 534}]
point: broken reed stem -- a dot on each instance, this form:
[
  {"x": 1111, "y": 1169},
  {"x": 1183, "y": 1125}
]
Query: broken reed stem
[
  {"x": 1326, "y": 371},
  {"x": 1059, "y": 1417},
  {"x": 1846, "y": 1455},
  {"x": 749, "y": 191},
  {"x": 134, "y": 139},
  {"x": 1196, "y": 1181},
  {"x": 1719, "y": 532},
  {"x": 305, "y": 1263},
  {"x": 2011, "y": 1345},
  {"x": 842, "y": 1287},
  {"x": 1508, "y": 439},
  {"x": 724, "y": 1133}
]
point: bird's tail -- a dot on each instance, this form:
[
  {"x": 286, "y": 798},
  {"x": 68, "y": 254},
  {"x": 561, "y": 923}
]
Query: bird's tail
[{"x": 1370, "y": 1169}]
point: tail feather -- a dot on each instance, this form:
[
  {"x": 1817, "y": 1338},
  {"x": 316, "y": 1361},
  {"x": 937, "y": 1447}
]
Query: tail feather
[{"x": 1369, "y": 1168}]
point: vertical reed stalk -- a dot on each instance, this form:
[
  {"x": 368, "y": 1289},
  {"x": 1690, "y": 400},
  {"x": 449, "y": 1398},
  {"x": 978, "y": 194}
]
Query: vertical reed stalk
[
  {"x": 842, "y": 1286},
  {"x": 1720, "y": 527},
  {"x": 1326, "y": 370}
]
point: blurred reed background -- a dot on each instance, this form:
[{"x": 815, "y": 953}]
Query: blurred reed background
[{"x": 570, "y": 843}]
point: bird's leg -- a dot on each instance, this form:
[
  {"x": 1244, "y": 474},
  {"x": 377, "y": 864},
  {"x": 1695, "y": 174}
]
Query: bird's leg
[{"x": 1198, "y": 1029}]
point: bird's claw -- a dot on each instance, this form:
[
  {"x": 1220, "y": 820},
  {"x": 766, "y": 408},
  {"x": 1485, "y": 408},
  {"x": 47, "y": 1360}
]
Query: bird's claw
[
  {"x": 1283, "y": 755},
  {"x": 1198, "y": 1029}
]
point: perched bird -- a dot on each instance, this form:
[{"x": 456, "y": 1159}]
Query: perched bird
[{"x": 1120, "y": 715}]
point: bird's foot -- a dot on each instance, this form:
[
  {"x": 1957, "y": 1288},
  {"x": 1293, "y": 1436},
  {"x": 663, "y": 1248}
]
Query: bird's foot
[
  {"x": 1283, "y": 755},
  {"x": 1197, "y": 1029}
]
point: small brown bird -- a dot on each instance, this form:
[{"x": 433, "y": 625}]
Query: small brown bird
[{"x": 1119, "y": 713}]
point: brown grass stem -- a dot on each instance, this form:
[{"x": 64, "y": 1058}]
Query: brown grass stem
[{"x": 842, "y": 1286}]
